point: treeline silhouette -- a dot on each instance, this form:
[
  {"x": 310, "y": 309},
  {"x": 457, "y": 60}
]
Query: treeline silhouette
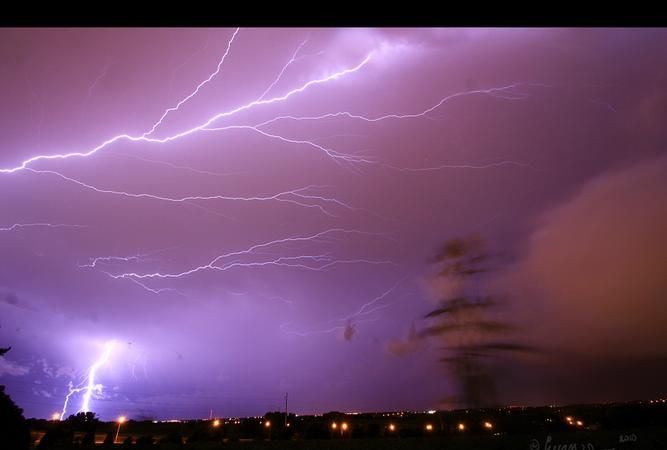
[
  {"x": 78, "y": 431},
  {"x": 14, "y": 432}
]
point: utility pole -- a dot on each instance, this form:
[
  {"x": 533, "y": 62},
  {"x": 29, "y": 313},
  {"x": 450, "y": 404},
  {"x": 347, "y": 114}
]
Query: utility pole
[{"x": 285, "y": 409}]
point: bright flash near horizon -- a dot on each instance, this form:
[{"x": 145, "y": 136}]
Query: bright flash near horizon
[{"x": 91, "y": 386}]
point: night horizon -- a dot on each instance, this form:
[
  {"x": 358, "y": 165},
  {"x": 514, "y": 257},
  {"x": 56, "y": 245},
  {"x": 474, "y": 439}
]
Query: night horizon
[{"x": 249, "y": 212}]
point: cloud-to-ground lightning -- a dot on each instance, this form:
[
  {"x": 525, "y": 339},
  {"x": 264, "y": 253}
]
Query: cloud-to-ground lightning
[
  {"x": 90, "y": 385},
  {"x": 227, "y": 186}
]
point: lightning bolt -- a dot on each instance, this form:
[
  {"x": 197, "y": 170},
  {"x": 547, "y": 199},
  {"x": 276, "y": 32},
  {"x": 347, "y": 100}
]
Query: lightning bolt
[
  {"x": 17, "y": 226},
  {"x": 196, "y": 90},
  {"x": 280, "y": 75},
  {"x": 231, "y": 260},
  {"x": 283, "y": 328},
  {"x": 362, "y": 311},
  {"x": 503, "y": 92},
  {"x": 284, "y": 196},
  {"x": 90, "y": 386},
  {"x": 186, "y": 168},
  {"x": 145, "y": 138}
]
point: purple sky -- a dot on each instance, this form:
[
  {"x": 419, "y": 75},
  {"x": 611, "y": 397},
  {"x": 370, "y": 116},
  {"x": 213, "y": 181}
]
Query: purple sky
[{"x": 548, "y": 143}]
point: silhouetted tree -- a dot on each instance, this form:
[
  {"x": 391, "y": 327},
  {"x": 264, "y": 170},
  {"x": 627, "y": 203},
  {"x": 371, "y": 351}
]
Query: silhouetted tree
[
  {"x": 463, "y": 320},
  {"x": 83, "y": 421},
  {"x": 14, "y": 432}
]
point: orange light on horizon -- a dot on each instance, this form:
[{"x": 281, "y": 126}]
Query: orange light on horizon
[
  {"x": 579, "y": 423},
  {"x": 216, "y": 423},
  {"x": 121, "y": 420},
  {"x": 55, "y": 416},
  {"x": 267, "y": 424},
  {"x": 392, "y": 427},
  {"x": 429, "y": 427},
  {"x": 334, "y": 425},
  {"x": 461, "y": 427},
  {"x": 343, "y": 426},
  {"x": 488, "y": 425}
]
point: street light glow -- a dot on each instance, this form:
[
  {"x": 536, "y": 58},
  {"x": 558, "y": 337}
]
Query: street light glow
[
  {"x": 392, "y": 427},
  {"x": 121, "y": 420},
  {"x": 267, "y": 424},
  {"x": 216, "y": 423},
  {"x": 429, "y": 427},
  {"x": 461, "y": 427},
  {"x": 344, "y": 426},
  {"x": 488, "y": 425},
  {"x": 334, "y": 425}
]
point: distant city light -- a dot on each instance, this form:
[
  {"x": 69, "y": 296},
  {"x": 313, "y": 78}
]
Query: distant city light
[
  {"x": 267, "y": 424},
  {"x": 343, "y": 426},
  {"x": 429, "y": 427},
  {"x": 392, "y": 427},
  {"x": 431, "y": 411},
  {"x": 121, "y": 419},
  {"x": 461, "y": 427},
  {"x": 488, "y": 425},
  {"x": 216, "y": 423},
  {"x": 579, "y": 423},
  {"x": 334, "y": 425},
  {"x": 55, "y": 416}
]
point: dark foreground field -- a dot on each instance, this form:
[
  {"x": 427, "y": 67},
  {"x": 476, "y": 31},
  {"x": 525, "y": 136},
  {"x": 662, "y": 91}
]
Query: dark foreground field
[
  {"x": 649, "y": 439},
  {"x": 623, "y": 439},
  {"x": 631, "y": 426}
]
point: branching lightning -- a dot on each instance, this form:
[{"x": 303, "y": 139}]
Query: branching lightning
[
  {"x": 280, "y": 75},
  {"x": 283, "y": 252},
  {"x": 230, "y": 260},
  {"x": 90, "y": 384},
  {"x": 290, "y": 196},
  {"x": 145, "y": 138},
  {"x": 196, "y": 90}
]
